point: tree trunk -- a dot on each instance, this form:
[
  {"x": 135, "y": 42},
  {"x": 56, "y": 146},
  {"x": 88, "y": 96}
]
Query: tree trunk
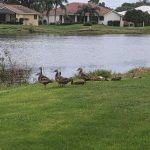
[
  {"x": 55, "y": 14},
  {"x": 84, "y": 19}
]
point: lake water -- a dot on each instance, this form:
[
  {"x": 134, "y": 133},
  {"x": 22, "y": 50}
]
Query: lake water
[{"x": 118, "y": 53}]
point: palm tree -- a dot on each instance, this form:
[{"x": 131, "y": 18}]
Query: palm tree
[
  {"x": 43, "y": 5},
  {"x": 95, "y": 1},
  {"x": 57, "y": 3},
  {"x": 88, "y": 9}
]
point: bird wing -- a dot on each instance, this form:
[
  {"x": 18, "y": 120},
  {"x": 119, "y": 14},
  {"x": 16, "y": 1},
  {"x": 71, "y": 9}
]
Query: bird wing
[{"x": 44, "y": 79}]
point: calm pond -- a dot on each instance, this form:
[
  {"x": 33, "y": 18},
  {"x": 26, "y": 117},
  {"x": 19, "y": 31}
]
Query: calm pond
[{"x": 118, "y": 53}]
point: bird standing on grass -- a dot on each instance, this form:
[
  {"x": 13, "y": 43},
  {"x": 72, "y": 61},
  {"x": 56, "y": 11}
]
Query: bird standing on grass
[
  {"x": 62, "y": 81},
  {"x": 78, "y": 82},
  {"x": 43, "y": 79},
  {"x": 82, "y": 75}
]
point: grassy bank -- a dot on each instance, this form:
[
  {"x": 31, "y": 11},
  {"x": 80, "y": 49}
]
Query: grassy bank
[
  {"x": 77, "y": 29},
  {"x": 97, "y": 116}
]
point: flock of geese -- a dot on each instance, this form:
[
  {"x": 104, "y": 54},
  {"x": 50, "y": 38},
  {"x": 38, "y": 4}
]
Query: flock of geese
[{"x": 62, "y": 81}]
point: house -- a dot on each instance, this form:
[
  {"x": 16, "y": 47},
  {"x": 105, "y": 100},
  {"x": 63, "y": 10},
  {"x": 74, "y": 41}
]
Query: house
[
  {"x": 69, "y": 15},
  {"x": 18, "y": 14},
  {"x": 142, "y": 8}
]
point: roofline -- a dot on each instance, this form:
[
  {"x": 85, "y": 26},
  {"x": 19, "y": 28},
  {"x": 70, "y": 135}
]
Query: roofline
[
  {"x": 114, "y": 12},
  {"x": 19, "y": 13},
  {"x": 7, "y": 8}
]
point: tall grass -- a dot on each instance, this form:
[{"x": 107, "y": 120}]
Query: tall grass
[{"x": 101, "y": 72}]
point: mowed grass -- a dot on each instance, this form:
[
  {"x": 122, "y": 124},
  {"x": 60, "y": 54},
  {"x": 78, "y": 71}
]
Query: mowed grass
[
  {"x": 97, "y": 116},
  {"x": 76, "y": 29}
]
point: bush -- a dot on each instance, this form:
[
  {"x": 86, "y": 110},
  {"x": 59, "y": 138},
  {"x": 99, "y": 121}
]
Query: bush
[
  {"x": 11, "y": 73},
  {"x": 67, "y": 23},
  {"x": 31, "y": 29},
  {"x": 116, "y": 23},
  {"x": 113, "y": 23},
  {"x": 87, "y": 24},
  {"x": 102, "y": 72},
  {"x": 110, "y": 23}
]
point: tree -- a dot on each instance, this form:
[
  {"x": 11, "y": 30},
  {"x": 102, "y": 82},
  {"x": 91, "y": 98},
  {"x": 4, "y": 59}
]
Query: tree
[
  {"x": 137, "y": 17},
  {"x": 57, "y": 3},
  {"x": 43, "y": 5},
  {"x": 102, "y": 4},
  {"x": 22, "y": 2},
  {"x": 129, "y": 6},
  {"x": 95, "y": 1},
  {"x": 87, "y": 9}
]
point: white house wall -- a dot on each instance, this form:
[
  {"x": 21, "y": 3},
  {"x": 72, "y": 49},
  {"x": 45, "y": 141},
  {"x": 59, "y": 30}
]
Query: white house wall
[
  {"x": 51, "y": 19},
  {"x": 112, "y": 16}
]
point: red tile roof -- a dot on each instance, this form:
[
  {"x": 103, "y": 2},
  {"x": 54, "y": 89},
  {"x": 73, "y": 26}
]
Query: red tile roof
[{"x": 72, "y": 8}]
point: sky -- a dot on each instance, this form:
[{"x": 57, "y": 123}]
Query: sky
[{"x": 109, "y": 3}]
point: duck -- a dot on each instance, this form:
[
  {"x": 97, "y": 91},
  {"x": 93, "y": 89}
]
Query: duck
[
  {"x": 116, "y": 78},
  {"x": 62, "y": 81},
  {"x": 43, "y": 79},
  {"x": 78, "y": 82},
  {"x": 82, "y": 75},
  {"x": 98, "y": 78}
]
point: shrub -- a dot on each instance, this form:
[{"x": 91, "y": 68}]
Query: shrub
[
  {"x": 113, "y": 23},
  {"x": 12, "y": 73},
  {"x": 110, "y": 23},
  {"x": 102, "y": 72},
  {"x": 67, "y": 23},
  {"x": 87, "y": 24},
  {"x": 31, "y": 29}
]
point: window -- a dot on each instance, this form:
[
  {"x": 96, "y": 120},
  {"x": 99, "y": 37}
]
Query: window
[
  {"x": 2, "y": 17},
  {"x": 101, "y": 18},
  {"x": 35, "y": 17}
]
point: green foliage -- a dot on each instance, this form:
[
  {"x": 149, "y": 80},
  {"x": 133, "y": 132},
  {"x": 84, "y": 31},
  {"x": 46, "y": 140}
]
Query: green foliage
[
  {"x": 31, "y": 29},
  {"x": 129, "y": 6},
  {"x": 101, "y": 72},
  {"x": 95, "y": 1},
  {"x": 75, "y": 29},
  {"x": 87, "y": 8},
  {"x": 87, "y": 24},
  {"x": 137, "y": 16},
  {"x": 114, "y": 23}
]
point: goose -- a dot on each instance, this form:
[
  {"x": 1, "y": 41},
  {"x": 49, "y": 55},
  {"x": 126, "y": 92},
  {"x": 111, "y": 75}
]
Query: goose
[
  {"x": 62, "y": 81},
  {"x": 116, "y": 78},
  {"x": 78, "y": 82},
  {"x": 82, "y": 75},
  {"x": 43, "y": 79}
]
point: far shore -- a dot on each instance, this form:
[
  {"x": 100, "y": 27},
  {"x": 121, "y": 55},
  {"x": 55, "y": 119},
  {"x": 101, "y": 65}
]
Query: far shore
[{"x": 76, "y": 29}]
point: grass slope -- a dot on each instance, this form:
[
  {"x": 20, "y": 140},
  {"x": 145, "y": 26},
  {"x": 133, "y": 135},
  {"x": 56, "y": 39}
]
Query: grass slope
[
  {"x": 77, "y": 29},
  {"x": 97, "y": 116}
]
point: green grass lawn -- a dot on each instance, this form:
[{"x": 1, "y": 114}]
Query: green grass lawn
[
  {"x": 77, "y": 29},
  {"x": 97, "y": 116}
]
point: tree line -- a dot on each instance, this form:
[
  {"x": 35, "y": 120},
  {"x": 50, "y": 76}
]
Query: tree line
[
  {"x": 129, "y": 6},
  {"x": 138, "y": 17}
]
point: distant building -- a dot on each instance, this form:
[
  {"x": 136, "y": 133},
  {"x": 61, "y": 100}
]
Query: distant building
[
  {"x": 142, "y": 8},
  {"x": 69, "y": 15},
  {"x": 18, "y": 14}
]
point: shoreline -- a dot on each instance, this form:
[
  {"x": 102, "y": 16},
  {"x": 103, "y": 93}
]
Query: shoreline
[{"x": 70, "y": 30}]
